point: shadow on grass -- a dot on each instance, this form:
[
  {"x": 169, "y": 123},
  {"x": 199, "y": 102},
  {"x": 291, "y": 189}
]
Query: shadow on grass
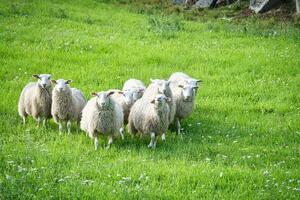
[{"x": 206, "y": 138}]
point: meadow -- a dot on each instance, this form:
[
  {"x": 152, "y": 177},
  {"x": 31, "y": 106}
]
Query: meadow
[{"x": 241, "y": 142}]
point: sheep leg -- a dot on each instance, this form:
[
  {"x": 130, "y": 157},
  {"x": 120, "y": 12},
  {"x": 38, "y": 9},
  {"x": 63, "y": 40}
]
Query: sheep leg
[
  {"x": 45, "y": 122},
  {"x": 152, "y": 140},
  {"x": 154, "y": 143},
  {"x": 163, "y": 137},
  {"x": 110, "y": 141},
  {"x": 78, "y": 125},
  {"x": 69, "y": 126},
  {"x": 60, "y": 127},
  {"x": 122, "y": 132},
  {"x": 38, "y": 120},
  {"x": 179, "y": 128},
  {"x": 96, "y": 142},
  {"x": 24, "y": 120}
]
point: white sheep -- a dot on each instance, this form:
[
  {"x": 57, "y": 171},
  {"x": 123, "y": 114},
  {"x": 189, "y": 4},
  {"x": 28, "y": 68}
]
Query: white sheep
[
  {"x": 133, "y": 90},
  {"x": 102, "y": 115},
  {"x": 184, "y": 93},
  {"x": 182, "y": 79},
  {"x": 120, "y": 98},
  {"x": 67, "y": 104},
  {"x": 150, "y": 116},
  {"x": 35, "y": 99},
  {"x": 159, "y": 86}
]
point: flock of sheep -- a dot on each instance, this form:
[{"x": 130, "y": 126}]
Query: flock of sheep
[{"x": 148, "y": 111}]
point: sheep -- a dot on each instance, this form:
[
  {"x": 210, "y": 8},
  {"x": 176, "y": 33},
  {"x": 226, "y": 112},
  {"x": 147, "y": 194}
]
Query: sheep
[
  {"x": 67, "y": 104},
  {"x": 35, "y": 99},
  {"x": 133, "y": 90},
  {"x": 150, "y": 116},
  {"x": 182, "y": 79},
  {"x": 163, "y": 87},
  {"x": 102, "y": 115},
  {"x": 119, "y": 97},
  {"x": 184, "y": 92}
]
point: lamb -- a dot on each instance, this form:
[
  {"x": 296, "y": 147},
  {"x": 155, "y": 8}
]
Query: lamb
[
  {"x": 184, "y": 93},
  {"x": 35, "y": 99},
  {"x": 150, "y": 116},
  {"x": 102, "y": 115},
  {"x": 161, "y": 86},
  {"x": 67, "y": 104},
  {"x": 133, "y": 90}
]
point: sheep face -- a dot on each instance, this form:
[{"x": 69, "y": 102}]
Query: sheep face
[
  {"x": 163, "y": 85},
  {"x": 61, "y": 85},
  {"x": 103, "y": 100},
  {"x": 188, "y": 92},
  {"x": 160, "y": 100},
  {"x": 193, "y": 83},
  {"x": 129, "y": 97},
  {"x": 136, "y": 94},
  {"x": 44, "y": 80}
]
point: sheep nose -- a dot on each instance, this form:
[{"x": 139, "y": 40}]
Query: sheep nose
[{"x": 44, "y": 85}]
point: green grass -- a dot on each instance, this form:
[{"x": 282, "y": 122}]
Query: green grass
[{"x": 241, "y": 142}]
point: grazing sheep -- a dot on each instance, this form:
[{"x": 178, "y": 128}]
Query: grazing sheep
[
  {"x": 150, "y": 116},
  {"x": 161, "y": 86},
  {"x": 67, "y": 104},
  {"x": 35, "y": 99},
  {"x": 133, "y": 90},
  {"x": 102, "y": 115},
  {"x": 184, "y": 93}
]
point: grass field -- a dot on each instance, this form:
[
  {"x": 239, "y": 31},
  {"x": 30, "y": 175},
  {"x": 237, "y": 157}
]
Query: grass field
[{"x": 241, "y": 142}]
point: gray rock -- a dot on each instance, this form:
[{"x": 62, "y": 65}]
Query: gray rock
[
  {"x": 179, "y": 1},
  {"x": 260, "y": 6},
  {"x": 205, "y": 3}
]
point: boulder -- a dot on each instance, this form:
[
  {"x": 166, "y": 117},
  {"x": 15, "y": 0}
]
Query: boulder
[
  {"x": 260, "y": 6},
  {"x": 179, "y": 1},
  {"x": 205, "y": 3}
]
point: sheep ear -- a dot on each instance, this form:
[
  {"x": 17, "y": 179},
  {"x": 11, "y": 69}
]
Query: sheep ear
[
  {"x": 94, "y": 94},
  {"x": 196, "y": 87},
  {"x": 153, "y": 101},
  {"x": 181, "y": 86},
  {"x": 53, "y": 81},
  {"x": 36, "y": 76},
  {"x": 168, "y": 83},
  {"x": 199, "y": 81},
  {"x": 120, "y": 92},
  {"x": 68, "y": 81},
  {"x": 110, "y": 93},
  {"x": 140, "y": 90}
]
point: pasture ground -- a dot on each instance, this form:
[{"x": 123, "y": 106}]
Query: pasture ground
[{"x": 241, "y": 142}]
